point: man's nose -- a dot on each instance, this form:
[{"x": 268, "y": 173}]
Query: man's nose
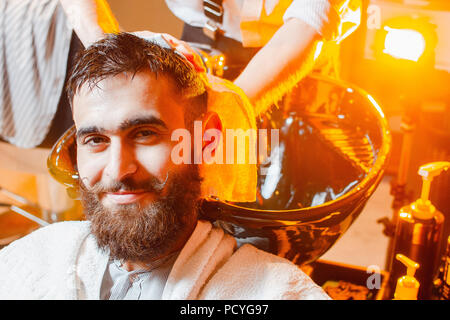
[{"x": 122, "y": 162}]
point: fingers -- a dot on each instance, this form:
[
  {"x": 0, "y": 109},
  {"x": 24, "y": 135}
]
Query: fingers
[
  {"x": 183, "y": 48},
  {"x": 144, "y": 34},
  {"x": 177, "y": 45}
]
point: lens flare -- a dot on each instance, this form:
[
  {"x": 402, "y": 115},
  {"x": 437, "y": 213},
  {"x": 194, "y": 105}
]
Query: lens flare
[{"x": 405, "y": 44}]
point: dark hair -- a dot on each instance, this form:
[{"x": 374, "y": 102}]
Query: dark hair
[{"x": 127, "y": 53}]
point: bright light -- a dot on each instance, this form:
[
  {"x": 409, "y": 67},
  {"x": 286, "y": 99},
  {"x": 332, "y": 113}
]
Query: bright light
[
  {"x": 375, "y": 104},
  {"x": 404, "y": 43},
  {"x": 318, "y": 50}
]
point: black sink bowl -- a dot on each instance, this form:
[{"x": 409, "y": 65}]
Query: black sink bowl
[{"x": 333, "y": 150}]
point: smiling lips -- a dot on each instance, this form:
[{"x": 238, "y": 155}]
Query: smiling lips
[{"x": 125, "y": 197}]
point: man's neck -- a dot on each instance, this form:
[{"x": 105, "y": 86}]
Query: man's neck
[{"x": 155, "y": 263}]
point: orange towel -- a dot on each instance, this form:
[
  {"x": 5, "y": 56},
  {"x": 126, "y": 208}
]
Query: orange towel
[{"x": 235, "y": 181}]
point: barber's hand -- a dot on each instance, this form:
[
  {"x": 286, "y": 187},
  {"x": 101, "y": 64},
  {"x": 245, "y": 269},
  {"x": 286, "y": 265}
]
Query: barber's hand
[
  {"x": 179, "y": 46},
  {"x": 186, "y": 50}
]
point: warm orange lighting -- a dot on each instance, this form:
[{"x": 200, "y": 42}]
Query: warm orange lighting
[
  {"x": 405, "y": 44},
  {"x": 405, "y": 215},
  {"x": 375, "y": 104},
  {"x": 318, "y": 50}
]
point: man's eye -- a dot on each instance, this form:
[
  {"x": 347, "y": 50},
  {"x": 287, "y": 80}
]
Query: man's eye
[
  {"x": 95, "y": 141},
  {"x": 145, "y": 135}
]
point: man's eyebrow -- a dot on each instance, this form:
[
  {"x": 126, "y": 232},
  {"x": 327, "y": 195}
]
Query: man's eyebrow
[
  {"x": 125, "y": 125},
  {"x": 147, "y": 120},
  {"x": 88, "y": 130}
]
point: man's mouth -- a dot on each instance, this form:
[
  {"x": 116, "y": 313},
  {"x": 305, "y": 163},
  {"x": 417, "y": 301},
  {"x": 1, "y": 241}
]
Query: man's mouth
[{"x": 125, "y": 197}]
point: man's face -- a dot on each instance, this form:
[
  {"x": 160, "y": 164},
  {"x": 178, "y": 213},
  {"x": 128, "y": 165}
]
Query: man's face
[{"x": 139, "y": 202}]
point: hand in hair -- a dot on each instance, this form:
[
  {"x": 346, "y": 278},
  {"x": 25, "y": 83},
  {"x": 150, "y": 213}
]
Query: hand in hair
[{"x": 179, "y": 46}]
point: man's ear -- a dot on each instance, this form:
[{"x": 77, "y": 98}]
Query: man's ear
[{"x": 211, "y": 120}]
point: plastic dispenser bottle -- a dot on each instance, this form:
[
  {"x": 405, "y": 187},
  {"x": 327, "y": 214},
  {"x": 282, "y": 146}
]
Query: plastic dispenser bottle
[
  {"x": 407, "y": 286},
  {"x": 418, "y": 234}
]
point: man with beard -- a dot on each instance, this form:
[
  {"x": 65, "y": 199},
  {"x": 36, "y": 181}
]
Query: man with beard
[{"x": 143, "y": 238}]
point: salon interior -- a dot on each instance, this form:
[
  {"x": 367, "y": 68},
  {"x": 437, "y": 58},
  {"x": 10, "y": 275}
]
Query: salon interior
[{"x": 362, "y": 203}]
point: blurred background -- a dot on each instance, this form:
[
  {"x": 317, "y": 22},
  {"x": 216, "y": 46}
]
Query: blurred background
[{"x": 400, "y": 55}]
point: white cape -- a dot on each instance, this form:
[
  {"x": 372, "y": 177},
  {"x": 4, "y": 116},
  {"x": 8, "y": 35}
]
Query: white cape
[{"x": 63, "y": 261}]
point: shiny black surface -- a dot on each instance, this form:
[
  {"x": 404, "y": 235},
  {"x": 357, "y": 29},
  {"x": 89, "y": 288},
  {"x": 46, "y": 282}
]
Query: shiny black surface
[{"x": 334, "y": 143}]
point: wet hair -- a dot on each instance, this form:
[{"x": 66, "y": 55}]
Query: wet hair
[{"x": 125, "y": 53}]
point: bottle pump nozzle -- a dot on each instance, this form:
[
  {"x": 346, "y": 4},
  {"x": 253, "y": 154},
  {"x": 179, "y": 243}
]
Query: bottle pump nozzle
[
  {"x": 422, "y": 208},
  {"x": 407, "y": 286}
]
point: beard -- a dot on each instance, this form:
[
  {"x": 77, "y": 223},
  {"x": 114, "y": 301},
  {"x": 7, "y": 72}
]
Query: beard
[{"x": 137, "y": 233}]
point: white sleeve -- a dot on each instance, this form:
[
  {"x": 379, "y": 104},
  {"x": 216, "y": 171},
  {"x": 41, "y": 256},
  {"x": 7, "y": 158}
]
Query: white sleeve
[{"x": 326, "y": 16}]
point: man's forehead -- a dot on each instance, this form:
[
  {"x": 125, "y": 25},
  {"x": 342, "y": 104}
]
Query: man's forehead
[
  {"x": 125, "y": 99},
  {"x": 142, "y": 83}
]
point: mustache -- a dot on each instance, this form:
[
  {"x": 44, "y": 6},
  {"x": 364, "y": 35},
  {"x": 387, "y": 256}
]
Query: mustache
[{"x": 151, "y": 184}]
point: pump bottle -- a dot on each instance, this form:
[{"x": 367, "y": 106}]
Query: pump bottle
[
  {"x": 418, "y": 234},
  {"x": 407, "y": 286}
]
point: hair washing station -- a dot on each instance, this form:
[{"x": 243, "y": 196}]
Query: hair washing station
[{"x": 333, "y": 147}]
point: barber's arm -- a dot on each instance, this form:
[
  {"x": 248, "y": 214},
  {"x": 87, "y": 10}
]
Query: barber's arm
[
  {"x": 90, "y": 19},
  {"x": 280, "y": 64},
  {"x": 289, "y": 55}
]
